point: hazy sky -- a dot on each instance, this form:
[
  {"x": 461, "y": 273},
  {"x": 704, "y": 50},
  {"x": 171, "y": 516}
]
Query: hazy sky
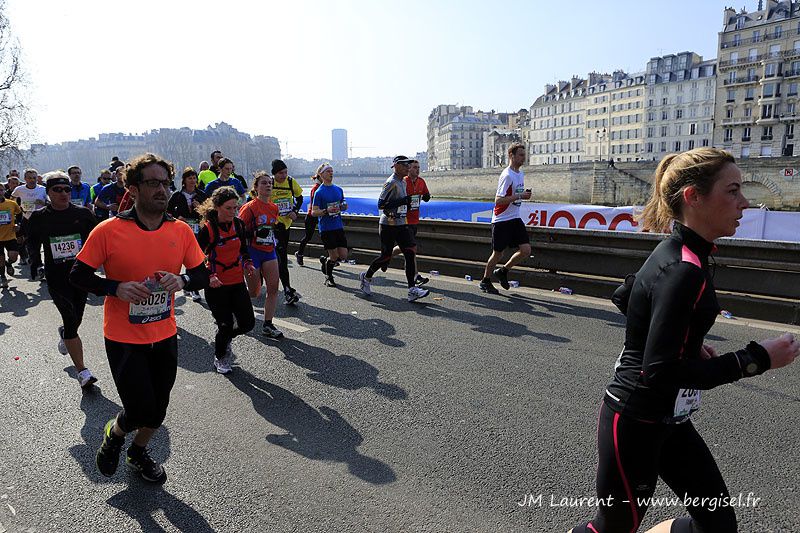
[{"x": 295, "y": 69}]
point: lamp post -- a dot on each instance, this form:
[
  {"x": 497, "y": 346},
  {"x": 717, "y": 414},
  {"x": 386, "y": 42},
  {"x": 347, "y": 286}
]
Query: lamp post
[{"x": 601, "y": 136}]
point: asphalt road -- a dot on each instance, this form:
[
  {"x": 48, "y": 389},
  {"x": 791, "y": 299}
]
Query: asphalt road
[{"x": 371, "y": 415}]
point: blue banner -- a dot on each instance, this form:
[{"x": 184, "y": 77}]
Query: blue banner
[{"x": 443, "y": 210}]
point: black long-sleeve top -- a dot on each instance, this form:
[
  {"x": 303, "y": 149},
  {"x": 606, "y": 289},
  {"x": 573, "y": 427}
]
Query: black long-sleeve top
[
  {"x": 671, "y": 307},
  {"x": 62, "y": 232}
]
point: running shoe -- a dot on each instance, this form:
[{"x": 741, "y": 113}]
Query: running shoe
[
  {"x": 270, "y": 331},
  {"x": 9, "y": 269},
  {"x": 366, "y": 284},
  {"x": 329, "y": 282},
  {"x": 107, "y": 458},
  {"x": 415, "y": 293},
  {"x": 420, "y": 281},
  {"x": 292, "y": 297},
  {"x": 141, "y": 462},
  {"x": 3, "y": 282},
  {"x": 487, "y": 286},
  {"x": 196, "y": 296},
  {"x": 62, "y": 346},
  {"x": 502, "y": 275},
  {"x": 85, "y": 378},
  {"x": 384, "y": 267},
  {"x": 223, "y": 365},
  {"x": 40, "y": 274},
  {"x": 299, "y": 258}
]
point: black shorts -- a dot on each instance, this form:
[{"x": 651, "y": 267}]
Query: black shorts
[
  {"x": 509, "y": 234},
  {"x": 70, "y": 302},
  {"x": 333, "y": 239},
  {"x": 413, "y": 229},
  {"x": 144, "y": 375},
  {"x": 11, "y": 246},
  {"x": 390, "y": 235}
]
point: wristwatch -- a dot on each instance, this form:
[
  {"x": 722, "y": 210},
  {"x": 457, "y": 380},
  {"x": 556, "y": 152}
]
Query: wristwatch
[{"x": 186, "y": 279}]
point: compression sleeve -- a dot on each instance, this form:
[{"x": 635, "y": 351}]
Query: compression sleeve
[
  {"x": 673, "y": 298},
  {"x": 85, "y": 278},
  {"x": 198, "y": 278}
]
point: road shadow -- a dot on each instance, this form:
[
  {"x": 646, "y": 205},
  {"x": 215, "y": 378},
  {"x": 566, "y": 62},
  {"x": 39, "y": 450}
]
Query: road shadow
[
  {"x": 97, "y": 410},
  {"x": 342, "y": 371},
  {"x": 320, "y": 435},
  {"x": 195, "y": 354},
  {"x": 488, "y": 323},
  {"x": 348, "y": 325},
  {"x": 17, "y": 302}
]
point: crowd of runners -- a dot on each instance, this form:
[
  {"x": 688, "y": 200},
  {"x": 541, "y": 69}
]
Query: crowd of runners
[{"x": 152, "y": 239}]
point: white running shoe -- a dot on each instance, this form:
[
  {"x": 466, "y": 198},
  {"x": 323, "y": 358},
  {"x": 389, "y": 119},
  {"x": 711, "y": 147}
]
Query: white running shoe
[
  {"x": 223, "y": 365},
  {"x": 415, "y": 293},
  {"x": 366, "y": 285},
  {"x": 196, "y": 296},
  {"x": 85, "y": 377},
  {"x": 62, "y": 346}
]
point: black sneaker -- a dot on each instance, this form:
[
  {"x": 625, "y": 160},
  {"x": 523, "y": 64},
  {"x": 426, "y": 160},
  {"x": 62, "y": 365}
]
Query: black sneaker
[
  {"x": 141, "y": 462},
  {"x": 502, "y": 275},
  {"x": 291, "y": 297},
  {"x": 487, "y": 287},
  {"x": 299, "y": 258},
  {"x": 420, "y": 281},
  {"x": 329, "y": 282},
  {"x": 384, "y": 267},
  {"x": 270, "y": 331},
  {"x": 107, "y": 458}
]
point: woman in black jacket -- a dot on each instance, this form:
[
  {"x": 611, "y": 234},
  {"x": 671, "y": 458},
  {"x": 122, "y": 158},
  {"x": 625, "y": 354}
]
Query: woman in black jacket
[
  {"x": 183, "y": 205},
  {"x": 645, "y": 430}
]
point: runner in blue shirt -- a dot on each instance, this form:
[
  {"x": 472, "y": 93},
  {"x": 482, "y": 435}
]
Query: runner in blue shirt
[
  {"x": 81, "y": 193},
  {"x": 328, "y": 205}
]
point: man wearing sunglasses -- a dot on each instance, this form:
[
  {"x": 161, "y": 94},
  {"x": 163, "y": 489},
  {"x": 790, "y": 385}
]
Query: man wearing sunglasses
[
  {"x": 62, "y": 228},
  {"x": 142, "y": 251}
]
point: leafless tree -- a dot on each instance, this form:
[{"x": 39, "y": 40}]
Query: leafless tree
[{"x": 15, "y": 124}]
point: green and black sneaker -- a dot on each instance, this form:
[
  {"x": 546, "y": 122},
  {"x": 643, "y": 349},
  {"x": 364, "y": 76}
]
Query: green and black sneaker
[{"x": 108, "y": 455}]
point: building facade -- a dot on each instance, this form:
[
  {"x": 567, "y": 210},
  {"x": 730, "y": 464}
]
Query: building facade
[
  {"x": 496, "y": 144},
  {"x": 757, "y": 80},
  {"x": 455, "y": 135},
  {"x": 680, "y": 104},
  {"x": 615, "y": 117},
  {"x": 339, "y": 145},
  {"x": 557, "y": 124}
]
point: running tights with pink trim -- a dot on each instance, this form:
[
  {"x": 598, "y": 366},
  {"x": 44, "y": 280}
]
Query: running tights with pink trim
[{"x": 632, "y": 455}]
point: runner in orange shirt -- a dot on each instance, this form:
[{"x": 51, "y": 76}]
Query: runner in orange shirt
[
  {"x": 142, "y": 251},
  {"x": 260, "y": 216}
]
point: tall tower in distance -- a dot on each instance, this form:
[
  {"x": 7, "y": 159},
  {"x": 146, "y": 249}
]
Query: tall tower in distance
[{"x": 339, "y": 145}]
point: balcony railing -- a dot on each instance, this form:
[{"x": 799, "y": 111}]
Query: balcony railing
[
  {"x": 740, "y": 42},
  {"x": 766, "y": 137},
  {"x": 745, "y": 139},
  {"x": 746, "y": 79}
]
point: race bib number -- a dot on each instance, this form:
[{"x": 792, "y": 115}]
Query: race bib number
[
  {"x": 333, "y": 208},
  {"x": 687, "y": 402},
  {"x": 28, "y": 205},
  {"x": 284, "y": 206},
  {"x": 5, "y": 218},
  {"x": 65, "y": 247},
  {"x": 415, "y": 200},
  {"x": 194, "y": 224},
  {"x": 157, "y": 307},
  {"x": 265, "y": 235},
  {"x": 402, "y": 210},
  {"x": 76, "y": 202}
]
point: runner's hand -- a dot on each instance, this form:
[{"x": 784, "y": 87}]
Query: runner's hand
[
  {"x": 171, "y": 282},
  {"x": 214, "y": 282},
  {"x": 782, "y": 350},
  {"x": 249, "y": 267},
  {"x": 292, "y": 215},
  {"x": 132, "y": 291},
  {"x": 527, "y": 195},
  {"x": 708, "y": 352}
]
